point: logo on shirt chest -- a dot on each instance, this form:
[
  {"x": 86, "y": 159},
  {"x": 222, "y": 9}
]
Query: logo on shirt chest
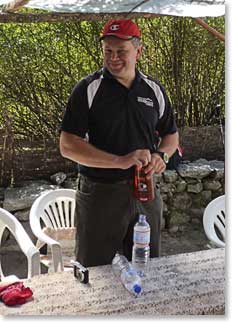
[{"x": 145, "y": 100}]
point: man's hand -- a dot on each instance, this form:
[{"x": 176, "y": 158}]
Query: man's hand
[
  {"x": 152, "y": 163},
  {"x": 156, "y": 165},
  {"x": 138, "y": 158}
]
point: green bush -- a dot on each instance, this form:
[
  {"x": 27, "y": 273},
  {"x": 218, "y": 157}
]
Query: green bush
[{"x": 40, "y": 64}]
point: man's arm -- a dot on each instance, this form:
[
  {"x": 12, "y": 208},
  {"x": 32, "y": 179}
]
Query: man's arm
[
  {"x": 79, "y": 150},
  {"x": 168, "y": 144}
]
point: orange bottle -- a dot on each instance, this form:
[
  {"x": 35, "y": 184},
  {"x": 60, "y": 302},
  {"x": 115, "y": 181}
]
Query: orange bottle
[{"x": 143, "y": 188}]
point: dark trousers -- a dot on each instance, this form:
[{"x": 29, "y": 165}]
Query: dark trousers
[{"x": 106, "y": 215}]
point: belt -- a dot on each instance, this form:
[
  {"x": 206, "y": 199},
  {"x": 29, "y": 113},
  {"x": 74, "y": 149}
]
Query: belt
[{"x": 101, "y": 180}]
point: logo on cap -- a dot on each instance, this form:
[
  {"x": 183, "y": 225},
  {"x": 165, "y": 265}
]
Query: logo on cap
[
  {"x": 114, "y": 27},
  {"x": 124, "y": 29}
]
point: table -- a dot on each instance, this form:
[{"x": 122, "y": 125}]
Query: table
[{"x": 183, "y": 284}]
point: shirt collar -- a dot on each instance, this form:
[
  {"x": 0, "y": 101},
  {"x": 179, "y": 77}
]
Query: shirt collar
[{"x": 107, "y": 74}]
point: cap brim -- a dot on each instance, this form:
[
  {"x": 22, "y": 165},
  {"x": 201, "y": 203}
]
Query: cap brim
[{"x": 121, "y": 36}]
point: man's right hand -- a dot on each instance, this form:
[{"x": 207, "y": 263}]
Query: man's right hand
[{"x": 139, "y": 158}]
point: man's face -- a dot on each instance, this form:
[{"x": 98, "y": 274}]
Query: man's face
[{"x": 120, "y": 56}]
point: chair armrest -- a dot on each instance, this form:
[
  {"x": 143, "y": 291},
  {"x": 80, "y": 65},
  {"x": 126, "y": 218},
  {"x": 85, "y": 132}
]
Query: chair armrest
[
  {"x": 55, "y": 245},
  {"x": 30, "y": 251},
  {"x": 37, "y": 229},
  {"x": 24, "y": 242}
]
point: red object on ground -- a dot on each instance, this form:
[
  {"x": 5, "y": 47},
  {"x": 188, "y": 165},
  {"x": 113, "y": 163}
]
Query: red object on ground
[{"x": 15, "y": 293}]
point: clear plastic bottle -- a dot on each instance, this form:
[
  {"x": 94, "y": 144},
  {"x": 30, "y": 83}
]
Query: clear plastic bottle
[
  {"x": 141, "y": 248},
  {"x": 125, "y": 272},
  {"x": 143, "y": 188}
]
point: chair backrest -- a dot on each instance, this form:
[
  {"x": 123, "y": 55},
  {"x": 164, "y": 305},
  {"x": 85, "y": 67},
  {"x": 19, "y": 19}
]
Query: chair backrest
[
  {"x": 9, "y": 221},
  {"x": 214, "y": 221},
  {"x": 55, "y": 208}
]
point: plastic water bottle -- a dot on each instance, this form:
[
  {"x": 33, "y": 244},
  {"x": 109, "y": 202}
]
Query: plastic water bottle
[
  {"x": 129, "y": 277},
  {"x": 141, "y": 248}
]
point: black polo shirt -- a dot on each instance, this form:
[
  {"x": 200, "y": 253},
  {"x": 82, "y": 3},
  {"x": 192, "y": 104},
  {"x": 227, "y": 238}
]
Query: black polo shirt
[{"x": 116, "y": 119}]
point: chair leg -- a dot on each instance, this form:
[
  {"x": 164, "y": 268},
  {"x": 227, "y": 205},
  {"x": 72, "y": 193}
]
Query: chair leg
[{"x": 57, "y": 258}]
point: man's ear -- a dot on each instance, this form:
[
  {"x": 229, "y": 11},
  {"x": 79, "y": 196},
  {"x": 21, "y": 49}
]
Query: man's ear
[{"x": 139, "y": 51}]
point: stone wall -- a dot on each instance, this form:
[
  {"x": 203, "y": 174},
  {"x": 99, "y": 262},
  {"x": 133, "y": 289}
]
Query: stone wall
[
  {"x": 30, "y": 158},
  {"x": 185, "y": 192}
]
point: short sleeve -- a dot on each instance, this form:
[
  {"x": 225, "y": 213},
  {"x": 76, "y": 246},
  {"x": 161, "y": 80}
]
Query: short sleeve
[
  {"x": 166, "y": 124},
  {"x": 75, "y": 119}
]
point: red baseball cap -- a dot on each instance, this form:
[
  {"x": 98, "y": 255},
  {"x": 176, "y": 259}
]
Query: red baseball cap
[{"x": 124, "y": 29}]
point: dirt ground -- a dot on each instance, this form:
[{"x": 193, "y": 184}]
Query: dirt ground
[{"x": 191, "y": 239}]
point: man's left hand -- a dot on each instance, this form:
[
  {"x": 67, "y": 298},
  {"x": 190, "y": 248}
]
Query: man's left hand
[{"x": 157, "y": 165}]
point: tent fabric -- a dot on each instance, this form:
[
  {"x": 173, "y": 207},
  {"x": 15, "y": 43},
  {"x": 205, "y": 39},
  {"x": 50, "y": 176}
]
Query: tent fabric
[{"x": 187, "y": 8}]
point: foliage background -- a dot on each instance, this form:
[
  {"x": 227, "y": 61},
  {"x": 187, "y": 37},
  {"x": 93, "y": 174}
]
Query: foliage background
[{"x": 40, "y": 64}]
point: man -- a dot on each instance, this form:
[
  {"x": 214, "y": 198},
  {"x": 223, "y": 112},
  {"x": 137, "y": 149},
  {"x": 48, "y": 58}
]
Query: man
[{"x": 109, "y": 129}]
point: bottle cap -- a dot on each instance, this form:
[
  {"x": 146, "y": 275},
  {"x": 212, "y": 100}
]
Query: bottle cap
[
  {"x": 142, "y": 217},
  {"x": 137, "y": 288}
]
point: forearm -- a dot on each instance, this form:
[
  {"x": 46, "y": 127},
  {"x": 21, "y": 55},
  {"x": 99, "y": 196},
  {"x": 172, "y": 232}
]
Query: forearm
[
  {"x": 77, "y": 149},
  {"x": 169, "y": 143}
]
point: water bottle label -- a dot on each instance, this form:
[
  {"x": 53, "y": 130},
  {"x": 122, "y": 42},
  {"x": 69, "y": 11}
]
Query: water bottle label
[{"x": 142, "y": 237}]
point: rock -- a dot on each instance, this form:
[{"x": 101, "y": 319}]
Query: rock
[
  {"x": 177, "y": 218},
  {"x": 158, "y": 178},
  {"x": 165, "y": 208},
  {"x": 182, "y": 201},
  {"x": 58, "y": 178},
  {"x": 212, "y": 185},
  {"x": 170, "y": 176},
  {"x": 195, "y": 221},
  {"x": 196, "y": 212},
  {"x": 181, "y": 186},
  {"x": 217, "y": 167},
  {"x": 22, "y": 215},
  {"x": 173, "y": 229},
  {"x": 206, "y": 195},
  {"x": 198, "y": 200},
  {"x": 167, "y": 188},
  {"x": 23, "y": 197},
  {"x": 70, "y": 184},
  {"x": 195, "y": 188},
  {"x": 217, "y": 174},
  {"x": 192, "y": 180},
  {"x": 192, "y": 170}
]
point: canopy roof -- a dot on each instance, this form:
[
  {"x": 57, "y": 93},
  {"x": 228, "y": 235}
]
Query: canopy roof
[
  {"x": 188, "y": 8},
  {"x": 73, "y": 10}
]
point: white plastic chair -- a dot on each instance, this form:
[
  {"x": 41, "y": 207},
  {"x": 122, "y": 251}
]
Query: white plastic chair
[
  {"x": 53, "y": 213},
  {"x": 7, "y": 220},
  {"x": 214, "y": 219}
]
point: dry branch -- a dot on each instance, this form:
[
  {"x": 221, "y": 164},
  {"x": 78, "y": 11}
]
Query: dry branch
[
  {"x": 14, "y": 5},
  {"x": 210, "y": 29},
  {"x": 68, "y": 17}
]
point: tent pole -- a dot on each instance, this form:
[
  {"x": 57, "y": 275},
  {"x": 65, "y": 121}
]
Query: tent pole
[{"x": 210, "y": 29}]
